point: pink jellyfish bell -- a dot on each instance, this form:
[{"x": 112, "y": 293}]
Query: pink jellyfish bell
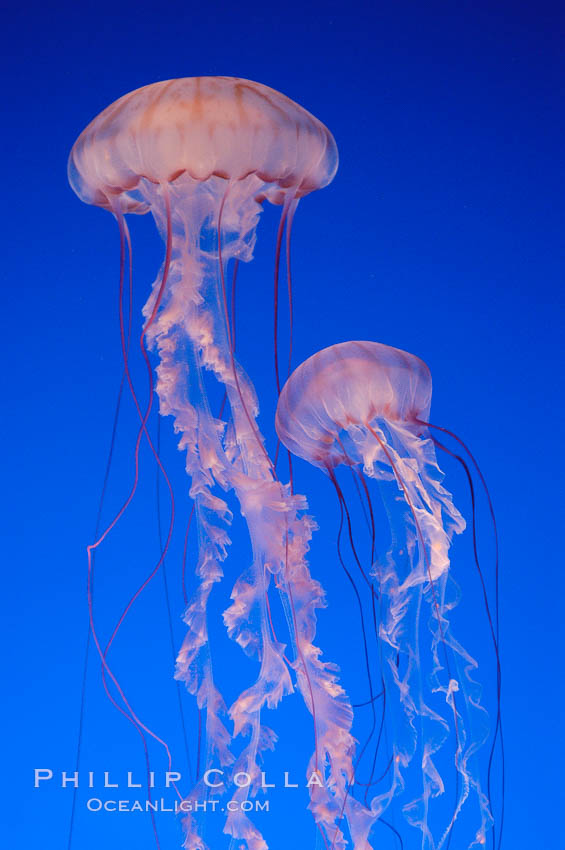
[
  {"x": 366, "y": 405},
  {"x": 345, "y": 386}
]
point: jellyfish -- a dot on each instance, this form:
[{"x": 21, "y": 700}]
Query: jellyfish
[
  {"x": 365, "y": 406},
  {"x": 202, "y": 155}
]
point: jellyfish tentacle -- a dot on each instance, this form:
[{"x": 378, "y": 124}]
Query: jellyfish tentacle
[
  {"x": 280, "y": 231},
  {"x": 498, "y": 732},
  {"x": 127, "y": 709},
  {"x": 290, "y": 221},
  {"x": 265, "y": 505},
  {"x": 219, "y": 417},
  {"x": 343, "y": 508},
  {"x": 97, "y": 525},
  {"x": 314, "y": 678},
  {"x": 233, "y": 459},
  {"x": 184, "y": 338},
  {"x": 318, "y": 682},
  {"x": 431, "y": 508},
  {"x": 272, "y": 515},
  {"x": 290, "y": 213},
  {"x": 143, "y": 429}
]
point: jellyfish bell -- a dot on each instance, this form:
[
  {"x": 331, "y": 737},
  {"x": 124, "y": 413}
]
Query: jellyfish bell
[
  {"x": 201, "y": 127},
  {"x": 366, "y": 405},
  {"x": 344, "y": 387}
]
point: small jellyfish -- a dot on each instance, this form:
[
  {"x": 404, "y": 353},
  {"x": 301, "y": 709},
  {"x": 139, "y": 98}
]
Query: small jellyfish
[{"x": 366, "y": 406}]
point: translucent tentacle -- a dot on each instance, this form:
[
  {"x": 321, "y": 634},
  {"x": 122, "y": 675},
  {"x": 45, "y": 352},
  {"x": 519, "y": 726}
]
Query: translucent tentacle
[
  {"x": 192, "y": 339},
  {"x": 414, "y": 583}
]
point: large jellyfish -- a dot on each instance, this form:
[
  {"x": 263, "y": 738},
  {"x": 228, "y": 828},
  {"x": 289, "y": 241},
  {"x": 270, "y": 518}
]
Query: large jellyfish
[
  {"x": 201, "y": 155},
  {"x": 366, "y": 406}
]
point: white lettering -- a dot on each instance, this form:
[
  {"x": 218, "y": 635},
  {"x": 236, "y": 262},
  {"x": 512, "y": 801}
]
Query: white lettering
[
  {"x": 47, "y": 774},
  {"x": 107, "y": 783},
  {"x": 131, "y": 783},
  {"x": 288, "y": 784},
  {"x": 264, "y": 783},
  {"x": 66, "y": 779},
  {"x": 315, "y": 780},
  {"x": 207, "y": 777}
]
